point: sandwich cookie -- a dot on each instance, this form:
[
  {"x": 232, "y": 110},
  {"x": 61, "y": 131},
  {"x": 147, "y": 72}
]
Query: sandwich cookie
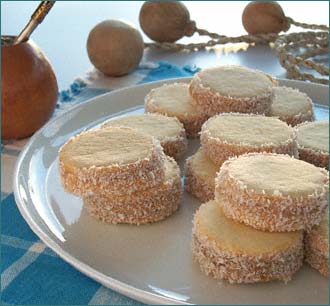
[
  {"x": 200, "y": 173},
  {"x": 174, "y": 100},
  {"x": 228, "y": 250},
  {"x": 140, "y": 207},
  {"x": 114, "y": 159},
  {"x": 227, "y": 135},
  {"x": 291, "y": 106},
  {"x": 232, "y": 88},
  {"x": 272, "y": 192},
  {"x": 313, "y": 143}
]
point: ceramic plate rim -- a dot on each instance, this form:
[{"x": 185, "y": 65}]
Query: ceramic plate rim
[{"x": 121, "y": 287}]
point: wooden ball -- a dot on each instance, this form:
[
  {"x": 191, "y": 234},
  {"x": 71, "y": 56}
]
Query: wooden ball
[
  {"x": 115, "y": 47},
  {"x": 264, "y": 17},
  {"x": 29, "y": 90},
  {"x": 166, "y": 21}
]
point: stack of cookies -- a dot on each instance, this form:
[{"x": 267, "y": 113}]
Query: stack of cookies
[
  {"x": 227, "y": 89},
  {"x": 232, "y": 134},
  {"x": 261, "y": 200},
  {"x": 213, "y": 91},
  {"x": 253, "y": 230},
  {"x": 122, "y": 174},
  {"x": 265, "y": 209}
]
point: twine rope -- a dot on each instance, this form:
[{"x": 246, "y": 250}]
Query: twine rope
[
  {"x": 317, "y": 42},
  {"x": 288, "y": 48},
  {"x": 307, "y": 25}
]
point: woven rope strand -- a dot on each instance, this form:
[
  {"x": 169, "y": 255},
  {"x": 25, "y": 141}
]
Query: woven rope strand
[
  {"x": 220, "y": 40},
  {"x": 292, "y": 62},
  {"x": 308, "y": 26},
  {"x": 288, "y": 47}
]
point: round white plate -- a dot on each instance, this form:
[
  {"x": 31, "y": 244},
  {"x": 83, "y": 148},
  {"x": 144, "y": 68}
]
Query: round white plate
[{"x": 150, "y": 263}]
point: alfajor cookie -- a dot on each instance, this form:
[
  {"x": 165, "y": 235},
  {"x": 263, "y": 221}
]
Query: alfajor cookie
[
  {"x": 232, "y": 251},
  {"x": 232, "y": 88},
  {"x": 317, "y": 246},
  {"x": 272, "y": 192},
  {"x": 200, "y": 173},
  {"x": 150, "y": 205},
  {"x": 313, "y": 143},
  {"x": 291, "y": 106},
  {"x": 174, "y": 100},
  {"x": 168, "y": 130},
  {"x": 114, "y": 159},
  {"x": 233, "y": 134}
]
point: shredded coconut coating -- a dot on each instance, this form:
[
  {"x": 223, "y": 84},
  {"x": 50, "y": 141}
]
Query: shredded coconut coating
[
  {"x": 192, "y": 121},
  {"x": 175, "y": 147},
  {"x": 193, "y": 125},
  {"x": 212, "y": 102},
  {"x": 317, "y": 260},
  {"x": 317, "y": 158},
  {"x": 296, "y": 119},
  {"x": 115, "y": 178},
  {"x": 162, "y": 208},
  {"x": 140, "y": 207},
  {"x": 269, "y": 212},
  {"x": 219, "y": 150},
  {"x": 195, "y": 184},
  {"x": 240, "y": 267},
  {"x": 317, "y": 247}
]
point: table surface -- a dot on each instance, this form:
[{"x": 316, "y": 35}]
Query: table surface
[{"x": 64, "y": 31}]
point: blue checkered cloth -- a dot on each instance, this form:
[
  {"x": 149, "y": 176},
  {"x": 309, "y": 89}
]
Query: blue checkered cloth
[{"x": 31, "y": 273}]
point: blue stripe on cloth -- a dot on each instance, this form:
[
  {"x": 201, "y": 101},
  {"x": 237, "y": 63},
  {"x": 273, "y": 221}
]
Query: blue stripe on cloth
[
  {"x": 105, "y": 296},
  {"x": 19, "y": 243},
  {"x": 12, "y": 223},
  {"x": 48, "y": 280},
  {"x": 9, "y": 255},
  {"x": 31, "y": 272},
  {"x": 14, "y": 270}
]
